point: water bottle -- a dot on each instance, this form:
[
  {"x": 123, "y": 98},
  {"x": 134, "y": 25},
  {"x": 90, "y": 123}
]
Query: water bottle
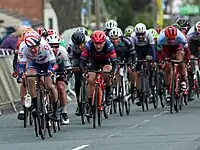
[{"x": 27, "y": 100}]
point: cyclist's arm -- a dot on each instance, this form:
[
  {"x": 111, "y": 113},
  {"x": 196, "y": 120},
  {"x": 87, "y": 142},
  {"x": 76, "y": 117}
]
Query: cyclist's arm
[
  {"x": 65, "y": 57},
  {"x": 84, "y": 58},
  {"x": 113, "y": 58},
  {"x": 152, "y": 45}
]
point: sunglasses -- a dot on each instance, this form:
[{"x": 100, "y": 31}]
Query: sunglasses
[
  {"x": 55, "y": 46},
  {"x": 140, "y": 34}
]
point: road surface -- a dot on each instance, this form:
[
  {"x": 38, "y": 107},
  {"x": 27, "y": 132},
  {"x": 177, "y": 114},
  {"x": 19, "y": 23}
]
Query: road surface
[{"x": 152, "y": 130}]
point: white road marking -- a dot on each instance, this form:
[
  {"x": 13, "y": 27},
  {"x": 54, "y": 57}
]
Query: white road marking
[
  {"x": 157, "y": 115},
  {"x": 139, "y": 124},
  {"x": 113, "y": 134},
  {"x": 80, "y": 147}
]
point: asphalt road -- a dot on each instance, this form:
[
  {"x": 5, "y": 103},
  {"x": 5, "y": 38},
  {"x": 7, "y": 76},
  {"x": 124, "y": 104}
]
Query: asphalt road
[{"x": 152, "y": 130}]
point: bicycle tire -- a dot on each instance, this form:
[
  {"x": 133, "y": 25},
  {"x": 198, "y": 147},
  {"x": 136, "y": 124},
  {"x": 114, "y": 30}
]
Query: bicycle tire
[
  {"x": 40, "y": 115},
  {"x": 94, "y": 107},
  {"x": 35, "y": 126},
  {"x": 198, "y": 83},
  {"x": 155, "y": 91},
  {"x": 142, "y": 100},
  {"x": 173, "y": 95},
  {"x": 30, "y": 117},
  {"x": 121, "y": 103},
  {"x": 82, "y": 104},
  {"x": 99, "y": 115},
  {"x": 25, "y": 117},
  {"x": 128, "y": 101}
]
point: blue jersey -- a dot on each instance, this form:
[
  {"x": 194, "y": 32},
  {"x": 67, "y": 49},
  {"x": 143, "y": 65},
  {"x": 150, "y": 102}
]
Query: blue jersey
[{"x": 163, "y": 41}]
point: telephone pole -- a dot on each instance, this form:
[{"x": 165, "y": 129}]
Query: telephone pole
[{"x": 97, "y": 13}]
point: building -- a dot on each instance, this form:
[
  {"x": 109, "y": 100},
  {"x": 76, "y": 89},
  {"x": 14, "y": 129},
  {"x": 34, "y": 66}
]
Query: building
[{"x": 28, "y": 12}]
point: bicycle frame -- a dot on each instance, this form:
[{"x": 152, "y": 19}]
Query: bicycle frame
[{"x": 99, "y": 82}]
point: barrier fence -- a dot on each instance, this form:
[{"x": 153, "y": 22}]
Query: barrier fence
[{"x": 9, "y": 88}]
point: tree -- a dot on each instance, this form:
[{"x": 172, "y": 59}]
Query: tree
[
  {"x": 68, "y": 13},
  {"x": 129, "y": 12}
]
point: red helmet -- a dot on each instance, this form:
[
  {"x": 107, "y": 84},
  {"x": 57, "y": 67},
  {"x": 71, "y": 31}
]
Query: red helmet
[
  {"x": 51, "y": 32},
  {"x": 98, "y": 36},
  {"x": 171, "y": 32},
  {"x": 158, "y": 30}
]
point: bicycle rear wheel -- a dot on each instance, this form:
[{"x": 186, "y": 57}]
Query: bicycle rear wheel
[{"x": 41, "y": 117}]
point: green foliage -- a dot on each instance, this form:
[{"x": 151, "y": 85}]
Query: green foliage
[{"x": 130, "y": 12}]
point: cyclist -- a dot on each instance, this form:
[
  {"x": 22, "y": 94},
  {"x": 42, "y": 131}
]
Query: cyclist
[
  {"x": 124, "y": 50},
  {"x": 184, "y": 25},
  {"x": 173, "y": 44},
  {"x": 193, "y": 37},
  {"x": 144, "y": 45},
  {"x": 62, "y": 41},
  {"x": 99, "y": 52},
  {"x": 87, "y": 38},
  {"x": 41, "y": 58},
  {"x": 154, "y": 33},
  {"x": 64, "y": 65},
  {"x": 176, "y": 26},
  {"x": 110, "y": 24},
  {"x": 128, "y": 31},
  {"x": 78, "y": 39}
]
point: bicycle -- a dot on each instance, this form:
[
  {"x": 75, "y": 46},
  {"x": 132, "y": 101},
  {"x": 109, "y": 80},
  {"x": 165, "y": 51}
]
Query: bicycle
[
  {"x": 144, "y": 91},
  {"x": 154, "y": 78},
  {"x": 174, "y": 87},
  {"x": 123, "y": 90},
  {"x": 98, "y": 98},
  {"x": 194, "y": 80},
  {"x": 43, "y": 108},
  {"x": 27, "y": 104}
]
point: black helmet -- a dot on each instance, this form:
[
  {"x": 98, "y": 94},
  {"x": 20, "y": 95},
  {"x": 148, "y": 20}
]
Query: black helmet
[
  {"x": 78, "y": 37},
  {"x": 182, "y": 22}
]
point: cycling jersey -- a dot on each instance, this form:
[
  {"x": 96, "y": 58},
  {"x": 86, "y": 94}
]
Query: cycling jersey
[
  {"x": 148, "y": 40},
  {"x": 107, "y": 53},
  {"x": 145, "y": 47},
  {"x": 63, "y": 57},
  {"x": 45, "y": 55},
  {"x": 124, "y": 49},
  {"x": 163, "y": 41},
  {"x": 75, "y": 55},
  {"x": 98, "y": 59},
  {"x": 193, "y": 35}
]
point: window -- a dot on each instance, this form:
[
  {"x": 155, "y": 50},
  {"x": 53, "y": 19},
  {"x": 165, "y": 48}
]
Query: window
[{"x": 50, "y": 23}]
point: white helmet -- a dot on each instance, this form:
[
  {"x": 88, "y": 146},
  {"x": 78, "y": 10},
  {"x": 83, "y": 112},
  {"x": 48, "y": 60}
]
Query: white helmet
[
  {"x": 110, "y": 24},
  {"x": 140, "y": 28},
  {"x": 53, "y": 39},
  {"x": 197, "y": 26},
  {"x": 83, "y": 30},
  {"x": 115, "y": 32}
]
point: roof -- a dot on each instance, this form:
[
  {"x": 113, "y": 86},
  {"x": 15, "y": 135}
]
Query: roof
[{"x": 18, "y": 16}]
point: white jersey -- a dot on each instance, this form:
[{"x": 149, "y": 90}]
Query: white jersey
[
  {"x": 45, "y": 53},
  {"x": 193, "y": 35},
  {"x": 148, "y": 40},
  {"x": 63, "y": 55}
]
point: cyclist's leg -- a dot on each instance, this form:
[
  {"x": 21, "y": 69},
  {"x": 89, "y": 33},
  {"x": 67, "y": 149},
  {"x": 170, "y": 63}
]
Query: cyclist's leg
[
  {"x": 91, "y": 81},
  {"x": 180, "y": 54},
  {"x": 169, "y": 53},
  {"x": 31, "y": 70},
  {"x": 52, "y": 89},
  {"x": 61, "y": 87},
  {"x": 22, "y": 94},
  {"x": 107, "y": 81}
]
